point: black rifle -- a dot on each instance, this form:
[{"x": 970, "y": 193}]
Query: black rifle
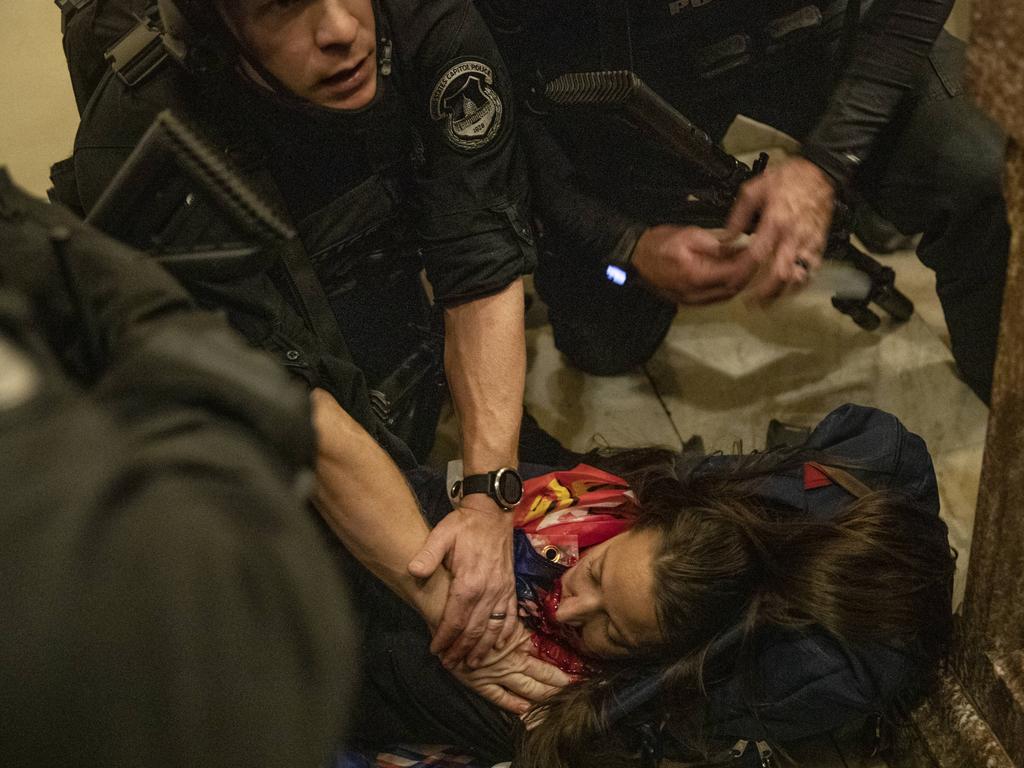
[
  {"x": 624, "y": 92},
  {"x": 178, "y": 200}
]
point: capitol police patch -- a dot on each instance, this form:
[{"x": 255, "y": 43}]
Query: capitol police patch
[{"x": 464, "y": 97}]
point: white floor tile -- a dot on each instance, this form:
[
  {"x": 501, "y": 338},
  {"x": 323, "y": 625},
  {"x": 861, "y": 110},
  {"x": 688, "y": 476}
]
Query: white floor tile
[{"x": 586, "y": 411}]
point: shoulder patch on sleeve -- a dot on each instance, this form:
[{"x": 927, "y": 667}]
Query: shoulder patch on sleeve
[{"x": 465, "y": 99}]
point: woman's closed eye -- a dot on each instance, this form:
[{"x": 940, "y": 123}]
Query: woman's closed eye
[
  {"x": 609, "y": 630},
  {"x": 609, "y": 596},
  {"x": 612, "y": 639}
]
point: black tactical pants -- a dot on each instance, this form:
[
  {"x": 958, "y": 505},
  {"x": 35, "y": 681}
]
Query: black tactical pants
[{"x": 937, "y": 169}]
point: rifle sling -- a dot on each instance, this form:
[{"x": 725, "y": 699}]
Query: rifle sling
[{"x": 315, "y": 308}]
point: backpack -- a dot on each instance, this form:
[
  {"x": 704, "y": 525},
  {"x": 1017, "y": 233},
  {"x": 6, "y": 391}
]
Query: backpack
[{"x": 808, "y": 684}]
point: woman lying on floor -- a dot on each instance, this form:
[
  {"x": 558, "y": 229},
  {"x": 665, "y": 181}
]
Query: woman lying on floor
[{"x": 721, "y": 585}]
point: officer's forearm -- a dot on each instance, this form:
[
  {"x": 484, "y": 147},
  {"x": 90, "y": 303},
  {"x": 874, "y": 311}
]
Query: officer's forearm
[
  {"x": 893, "y": 45},
  {"x": 485, "y": 358},
  {"x": 364, "y": 498}
]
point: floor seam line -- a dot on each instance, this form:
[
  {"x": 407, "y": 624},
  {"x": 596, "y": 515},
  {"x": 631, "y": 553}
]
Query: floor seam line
[{"x": 664, "y": 407}]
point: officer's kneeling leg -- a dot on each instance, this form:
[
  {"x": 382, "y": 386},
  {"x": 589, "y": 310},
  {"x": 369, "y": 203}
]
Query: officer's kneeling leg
[
  {"x": 602, "y": 328},
  {"x": 939, "y": 171}
]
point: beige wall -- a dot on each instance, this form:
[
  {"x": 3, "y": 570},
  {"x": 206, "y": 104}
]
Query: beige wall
[
  {"x": 960, "y": 19},
  {"x": 37, "y": 109}
]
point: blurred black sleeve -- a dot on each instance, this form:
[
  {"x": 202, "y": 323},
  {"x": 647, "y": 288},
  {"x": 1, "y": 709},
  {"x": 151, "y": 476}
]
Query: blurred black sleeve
[{"x": 168, "y": 597}]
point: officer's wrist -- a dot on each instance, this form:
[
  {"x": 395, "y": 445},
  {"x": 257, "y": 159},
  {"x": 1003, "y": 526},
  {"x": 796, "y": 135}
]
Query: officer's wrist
[
  {"x": 481, "y": 502},
  {"x": 837, "y": 171},
  {"x": 619, "y": 265}
]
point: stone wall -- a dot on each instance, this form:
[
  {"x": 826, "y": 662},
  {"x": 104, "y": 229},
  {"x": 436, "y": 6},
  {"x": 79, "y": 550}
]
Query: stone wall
[{"x": 976, "y": 717}]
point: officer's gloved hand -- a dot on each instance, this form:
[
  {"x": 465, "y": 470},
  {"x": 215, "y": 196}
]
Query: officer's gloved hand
[
  {"x": 691, "y": 265},
  {"x": 792, "y": 203}
]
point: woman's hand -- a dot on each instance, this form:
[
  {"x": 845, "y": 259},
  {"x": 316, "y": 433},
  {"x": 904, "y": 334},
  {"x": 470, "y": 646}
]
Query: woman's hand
[{"x": 513, "y": 678}]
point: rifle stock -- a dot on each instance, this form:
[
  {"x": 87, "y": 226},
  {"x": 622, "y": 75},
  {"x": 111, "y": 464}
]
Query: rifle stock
[{"x": 176, "y": 199}]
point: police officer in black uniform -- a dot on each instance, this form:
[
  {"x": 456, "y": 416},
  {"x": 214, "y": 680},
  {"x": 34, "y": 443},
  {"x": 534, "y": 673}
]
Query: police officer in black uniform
[
  {"x": 167, "y": 597},
  {"x": 386, "y": 131},
  {"x": 874, "y": 90}
]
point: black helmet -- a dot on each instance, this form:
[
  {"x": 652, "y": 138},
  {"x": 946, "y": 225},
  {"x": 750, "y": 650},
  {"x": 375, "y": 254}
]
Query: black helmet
[{"x": 196, "y": 35}]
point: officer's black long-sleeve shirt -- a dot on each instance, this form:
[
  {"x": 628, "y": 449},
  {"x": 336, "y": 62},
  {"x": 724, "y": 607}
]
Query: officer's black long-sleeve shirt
[
  {"x": 462, "y": 207},
  {"x": 893, "y": 40}
]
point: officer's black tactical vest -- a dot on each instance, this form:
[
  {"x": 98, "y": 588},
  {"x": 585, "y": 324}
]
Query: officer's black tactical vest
[{"x": 351, "y": 238}]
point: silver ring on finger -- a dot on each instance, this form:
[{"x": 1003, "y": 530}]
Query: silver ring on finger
[{"x": 497, "y": 616}]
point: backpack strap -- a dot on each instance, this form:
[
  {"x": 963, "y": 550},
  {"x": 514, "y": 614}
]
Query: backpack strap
[
  {"x": 140, "y": 52},
  {"x": 69, "y": 8},
  {"x": 843, "y": 479}
]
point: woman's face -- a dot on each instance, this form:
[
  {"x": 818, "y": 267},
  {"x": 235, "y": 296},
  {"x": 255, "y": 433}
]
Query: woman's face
[
  {"x": 323, "y": 51},
  {"x": 608, "y": 596}
]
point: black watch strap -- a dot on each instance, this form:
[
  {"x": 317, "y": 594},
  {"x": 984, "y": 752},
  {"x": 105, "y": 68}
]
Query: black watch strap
[
  {"x": 618, "y": 266},
  {"x": 504, "y": 486}
]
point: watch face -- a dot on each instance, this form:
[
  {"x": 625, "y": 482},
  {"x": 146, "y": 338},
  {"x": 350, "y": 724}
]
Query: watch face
[{"x": 509, "y": 486}]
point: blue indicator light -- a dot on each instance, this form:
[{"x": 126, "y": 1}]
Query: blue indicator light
[{"x": 616, "y": 274}]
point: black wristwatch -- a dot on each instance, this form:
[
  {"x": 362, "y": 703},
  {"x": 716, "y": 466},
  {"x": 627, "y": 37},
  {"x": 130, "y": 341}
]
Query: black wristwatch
[{"x": 503, "y": 485}]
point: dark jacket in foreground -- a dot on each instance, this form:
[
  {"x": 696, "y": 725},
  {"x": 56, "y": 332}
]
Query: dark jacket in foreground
[{"x": 167, "y": 597}]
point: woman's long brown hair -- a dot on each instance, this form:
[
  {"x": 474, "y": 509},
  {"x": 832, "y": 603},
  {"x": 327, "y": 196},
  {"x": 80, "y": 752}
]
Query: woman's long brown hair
[{"x": 732, "y": 562}]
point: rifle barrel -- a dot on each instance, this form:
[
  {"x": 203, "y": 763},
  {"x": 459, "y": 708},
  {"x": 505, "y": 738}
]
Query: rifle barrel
[{"x": 623, "y": 89}]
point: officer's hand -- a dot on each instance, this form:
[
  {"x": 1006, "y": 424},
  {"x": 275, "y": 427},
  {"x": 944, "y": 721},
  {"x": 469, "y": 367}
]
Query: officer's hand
[
  {"x": 795, "y": 200},
  {"x": 513, "y": 679},
  {"x": 690, "y": 265},
  {"x": 475, "y": 543}
]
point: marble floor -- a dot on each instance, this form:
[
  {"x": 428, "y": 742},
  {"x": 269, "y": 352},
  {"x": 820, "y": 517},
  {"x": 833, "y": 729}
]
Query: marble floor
[{"x": 723, "y": 372}]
